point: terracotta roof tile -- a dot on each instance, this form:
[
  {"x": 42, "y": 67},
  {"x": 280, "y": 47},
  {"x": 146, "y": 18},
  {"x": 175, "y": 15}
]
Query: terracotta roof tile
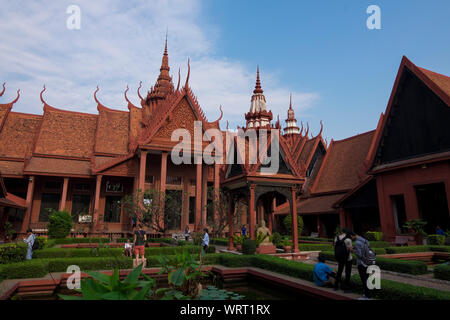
[
  {"x": 440, "y": 80},
  {"x": 11, "y": 167},
  {"x": 319, "y": 204},
  {"x": 306, "y": 151},
  {"x": 66, "y": 133},
  {"x": 112, "y": 131},
  {"x": 17, "y": 135},
  {"x": 59, "y": 166},
  {"x": 343, "y": 163}
]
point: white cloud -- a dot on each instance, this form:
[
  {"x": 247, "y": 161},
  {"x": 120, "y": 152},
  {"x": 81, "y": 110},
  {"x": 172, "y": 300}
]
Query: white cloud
[{"x": 121, "y": 43}]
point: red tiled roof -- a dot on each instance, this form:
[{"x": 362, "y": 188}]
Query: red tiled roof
[
  {"x": 307, "y": 149},
  {"x": 314, "y": 205},
  {"x": 58, "y": 166},
  {"x": 343, "y": 164},
  {"x": 18, "y": 134},
  {"x": 112, "y": 131},
  {"x": 11, "y": 167},
  {"x": 66, "y": 133},
  {"x": 442, "y": 81}
]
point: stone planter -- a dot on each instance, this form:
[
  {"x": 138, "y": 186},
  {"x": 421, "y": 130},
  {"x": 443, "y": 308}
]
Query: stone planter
[
  {"x": 239, "y": 247},
  {"x": 287, "y": 248}
]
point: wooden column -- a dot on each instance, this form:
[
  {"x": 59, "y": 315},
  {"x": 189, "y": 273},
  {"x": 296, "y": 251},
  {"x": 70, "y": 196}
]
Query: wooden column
[
  {"x": 29, "y": 204},
  {"x": 198, "y": 196},
  {"x": 163, "y": 180},
  {"x": 216, "y": 191},
  {"x": 342, "y": 217},
  {"x": 142, "y": 170},
  {"x": 252, "y": 212},
  {"x": 163, "y": 171},
  {"x": 204, "y": 195},
  {"x": 294, "y": 221},
  {"x": 62, "y": 203},
  {"x": 230, "y": 224},
  {"x": 98, "y": 186}
]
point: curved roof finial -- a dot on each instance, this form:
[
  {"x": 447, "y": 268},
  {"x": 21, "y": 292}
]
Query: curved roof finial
[
  {"x": 321, "y": 129},
  {"x": 301, "y": 131},
  {"x": 307, "y": 129},
  {"x": 221, "y": 114},
  {"x": 95, "y": 96},
  {"x": 179, "y": 76},
  {"x": 188, "y": 74},
  {"x": 17, "y": 98},
  {"x": 139, "y": 94},
  {"x": 3, "y": 91},
  {"x": 125, "y": 94},
  {"x": 227, "y": 126},
  {"x": 42, "y": 99}
]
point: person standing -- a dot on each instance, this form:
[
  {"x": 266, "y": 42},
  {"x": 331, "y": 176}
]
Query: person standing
[
  {"x": 343, "y": 249},
  {"x": 364, "y": 257},
  {"x": 205, "y": 241},
  {"x": 139, "y": 246},
  {"x": 30, "y": 239},
  {"x": 244, "y": 230},
  {"x": 187, "y": 233}
]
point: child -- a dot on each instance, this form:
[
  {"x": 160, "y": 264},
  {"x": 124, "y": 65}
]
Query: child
[{"x": 128, "y": 249}]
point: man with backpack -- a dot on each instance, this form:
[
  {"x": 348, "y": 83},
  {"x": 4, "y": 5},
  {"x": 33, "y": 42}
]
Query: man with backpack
[
  {"x": 365, "y": 257},
  {"x": 343, "y": 253},
  {"x": 32, "y": 243}
]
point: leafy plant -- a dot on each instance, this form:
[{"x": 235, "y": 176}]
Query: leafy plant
[
  {"x": 213, "y": 293},
  {"x": 103, "y": 287},
  {"x": 248, "y": 246},
  {"x": 277, "y": 239},
  {"x": 183, "y": 273},
  {"x": 417, "y": 226},
  {"x": 288, "y": 224},
  {"x": 238, "y": 239},
  {"x": 59, "y": 225},
  {"x": 9, "y": 231},
  {"x": 259, "y": 238},
  {"x": 436, "y": 239}
]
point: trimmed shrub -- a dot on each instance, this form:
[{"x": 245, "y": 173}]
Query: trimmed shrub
[
  {"x": 442, "y": 271},
  {"x": 161, "y": 240},
  {"x": 122, "y": 240},
  {"x": 41, "y": 242},
  {"x": 288, "y": 224},
  {"x": 408, "y": 249},
  {"x": 21, "y": 270},
  {"x": 396, "y": 265},
  {"x": 439, "y": 248},
  {"x": 248, "y": 246},
  {"x": 374, "y": 236},
  {"x": 392, "y": 290},
  {"x": 80, "y": 240},
  {"x": 315, "y": 239},
  {"x": 314, "y": 247},
  {"x": 436, "y": 239},
  {"x": 59, "y": 224},
  {"x": 219, "y": 241},
  {"x": 87, "y": 264},
  {"x": 287, "y": 267},
  {"x": 379, "y": 244},
  {"x": 13, "y": 252},
  {"x": 277, "y": 239},
  {"x": 111, "y": 252}
]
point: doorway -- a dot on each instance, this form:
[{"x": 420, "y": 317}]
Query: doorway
[{"x": 433, "y": 206}]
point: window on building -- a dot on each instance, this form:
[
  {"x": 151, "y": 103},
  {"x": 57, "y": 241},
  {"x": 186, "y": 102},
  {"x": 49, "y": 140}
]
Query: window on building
[
  {"x": 150, "y": 179},
  {"x": 113, "y": 208},
  {"x": 82, "y": 187},
  {"x": 49, "y": 202},
  {"x": 80, "y": 205},
  {"x": 173, "y": 180},
  {"x": 191, "y": 210},
  {"x": 52, "y": 185}
]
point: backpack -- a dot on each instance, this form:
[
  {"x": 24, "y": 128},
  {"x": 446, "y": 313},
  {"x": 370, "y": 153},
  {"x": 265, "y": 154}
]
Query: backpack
[
  {"x": 369, "y": 256},
  {"x": 35, "y": 244},
  {"x": 340, "y": 250}
]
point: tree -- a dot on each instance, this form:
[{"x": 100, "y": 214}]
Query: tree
[
  {"x": 60, "y": 224},
  {"x": 149, "y": 208},
  {"x": 218, "y": 221},
  {"x": 288, "y": 224}
]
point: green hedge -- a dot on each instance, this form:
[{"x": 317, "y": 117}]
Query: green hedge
[
  {"x": 410, "y": 249},
  {"x": 379, "y": 244},
  {"x": 397, "y": 265},
  {"x": 392, "y": 290},
  {"x": 314, "y": 247},
  {"x": 80, "y": 240},
  {"x": 315, "y": 239},
  {"x": 248, "y": 246},
  {"x": 111, "y": 252},
  {"x": 13, "y": 252},
  {"x": 442, "y": 271},
  {"x": 22, "y": 270},
  {"x": 374, "y": 235},
  {"x": 219, "y": 241},
  {"x": 436, "y": 239}
]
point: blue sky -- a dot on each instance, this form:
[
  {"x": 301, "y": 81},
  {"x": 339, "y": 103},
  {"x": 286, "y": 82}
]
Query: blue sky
[{"x": 338, "y": 70}]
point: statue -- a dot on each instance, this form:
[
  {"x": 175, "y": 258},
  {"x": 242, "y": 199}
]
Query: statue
[{"x": 264, "y": 231}]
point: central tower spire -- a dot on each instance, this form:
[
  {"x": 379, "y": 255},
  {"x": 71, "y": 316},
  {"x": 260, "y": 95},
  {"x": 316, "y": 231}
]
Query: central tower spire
[
  {"x": 258, "y": 116},
  {"x": 163, "y": 85}
]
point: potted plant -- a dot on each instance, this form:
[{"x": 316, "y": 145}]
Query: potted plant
[
  {"x": 416, "y": 228},
  {"x": 287, "y": 245},
  {"x": 9, "y": 231},
  {"x": 238, "y": 239}
]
